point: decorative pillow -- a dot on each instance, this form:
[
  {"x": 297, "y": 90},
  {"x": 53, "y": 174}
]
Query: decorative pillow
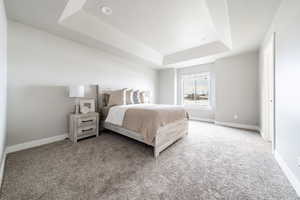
[
  {"x": 136, "y": 97},
  {"x": 129, "y": 96},
  {"x": 142, "y": 97},
  {"x": 117, "y": 97}
]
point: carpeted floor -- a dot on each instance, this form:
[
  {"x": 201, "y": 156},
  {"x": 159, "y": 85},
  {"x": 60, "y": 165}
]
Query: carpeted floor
[{"x": 212, "y": 162}]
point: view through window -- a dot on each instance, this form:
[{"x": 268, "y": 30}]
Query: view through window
[{"x": 196, "y": 89}]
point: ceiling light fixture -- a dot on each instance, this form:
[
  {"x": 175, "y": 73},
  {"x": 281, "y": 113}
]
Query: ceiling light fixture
[{"x": 106, "y": 10}]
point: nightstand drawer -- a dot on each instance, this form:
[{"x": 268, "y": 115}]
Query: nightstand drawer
[
  {"x": 83, "y": 126},
  {"x": 87, "y": 130},
  {"x": 86, "y": 121}
]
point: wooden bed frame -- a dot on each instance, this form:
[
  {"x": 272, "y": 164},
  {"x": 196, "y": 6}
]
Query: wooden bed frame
[{"x": 166, "y": 135}]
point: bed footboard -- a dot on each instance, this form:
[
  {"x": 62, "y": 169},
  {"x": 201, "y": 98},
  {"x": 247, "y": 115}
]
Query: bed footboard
[{"x": 168, "y": 135}]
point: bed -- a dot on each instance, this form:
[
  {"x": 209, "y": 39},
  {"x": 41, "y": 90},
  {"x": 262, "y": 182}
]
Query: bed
[{"x": 156, "y": 125}]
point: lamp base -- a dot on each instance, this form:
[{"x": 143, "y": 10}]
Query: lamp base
[
  {"x": 76, "y": 109},
  {"x": 77, "y": 106}
]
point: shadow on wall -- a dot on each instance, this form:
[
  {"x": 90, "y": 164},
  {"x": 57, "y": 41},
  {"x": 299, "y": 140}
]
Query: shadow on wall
[
  {"x": 47, "y": 99},
  {"x": 36, "y": 112}
]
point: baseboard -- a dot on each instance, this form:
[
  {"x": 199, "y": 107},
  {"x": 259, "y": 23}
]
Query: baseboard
[
  {"x": 35, "y": 143},
  {"x": 228, "y": 124},
  {"x": 238, "y": 125},
  {"x": 202, "y": 119},
  {"x": 288, "y": 172},
  {"x": 2, "y": 168}
]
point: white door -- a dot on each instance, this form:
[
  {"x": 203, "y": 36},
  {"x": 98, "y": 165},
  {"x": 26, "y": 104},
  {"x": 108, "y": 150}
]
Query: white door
[{"x": 268, "y": 109}]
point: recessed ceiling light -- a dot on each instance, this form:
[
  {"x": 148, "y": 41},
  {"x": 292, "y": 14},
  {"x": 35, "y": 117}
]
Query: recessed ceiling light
[{"x": 106, "y": 10}]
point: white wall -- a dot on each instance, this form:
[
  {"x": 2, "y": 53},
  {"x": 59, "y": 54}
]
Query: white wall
[
  {"x": 3, "y": 69},
  {"x": 167, "y": 86},
  {"x": 237, "y": 89},
  {"x": 41, "y": 65},
  {"x": 287, "y": 97},
  {"x": 234, "y": 89}
]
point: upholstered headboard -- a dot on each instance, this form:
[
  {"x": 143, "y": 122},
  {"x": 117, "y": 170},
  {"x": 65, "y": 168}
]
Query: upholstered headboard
[{"x": 103, "y": 97}]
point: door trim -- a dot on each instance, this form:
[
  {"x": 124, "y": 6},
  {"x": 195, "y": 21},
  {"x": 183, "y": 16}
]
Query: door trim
[{"x": 274, "y": 91}]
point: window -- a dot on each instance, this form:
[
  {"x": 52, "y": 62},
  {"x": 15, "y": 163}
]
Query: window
[{"x": 196, "y": 89}]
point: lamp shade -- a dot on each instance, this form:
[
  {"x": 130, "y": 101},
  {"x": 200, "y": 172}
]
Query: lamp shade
[{"x": 76, "y": 91}]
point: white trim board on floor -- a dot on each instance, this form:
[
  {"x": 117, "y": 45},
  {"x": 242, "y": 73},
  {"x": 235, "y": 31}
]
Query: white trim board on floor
[
  {"x": 35, "y": 143},
  {"x": 228, "y": 124},
  {"x": 202, "y": 119},
  {"x": 2, "y": 168},
  {"x": 288, "y": 172},
  {"x": 238, "y": 125}
]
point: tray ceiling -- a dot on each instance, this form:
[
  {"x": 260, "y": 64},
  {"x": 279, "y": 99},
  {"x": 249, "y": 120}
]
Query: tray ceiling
[{"x": 159, "y": 33}]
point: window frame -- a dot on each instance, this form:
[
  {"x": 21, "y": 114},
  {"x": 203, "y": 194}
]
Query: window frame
[{"x": 210, "y": 92}]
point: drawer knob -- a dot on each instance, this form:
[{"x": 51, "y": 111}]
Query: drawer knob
[
  {"x": 84, "y": 121},
  {"x": 90, "y": 129}
]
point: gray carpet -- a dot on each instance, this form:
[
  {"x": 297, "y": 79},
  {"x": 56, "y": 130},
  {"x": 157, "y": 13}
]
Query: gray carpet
[{"x": 212, "y": 162}]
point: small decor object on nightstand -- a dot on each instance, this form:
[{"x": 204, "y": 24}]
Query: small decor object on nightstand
[
  {"x": 76, "y": 91},
  {"x": 83, "y": 126},
  {"x": 87, "y": 105}
]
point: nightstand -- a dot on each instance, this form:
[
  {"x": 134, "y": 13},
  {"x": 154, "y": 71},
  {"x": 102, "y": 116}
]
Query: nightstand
[{"x": 83, "y": 125}]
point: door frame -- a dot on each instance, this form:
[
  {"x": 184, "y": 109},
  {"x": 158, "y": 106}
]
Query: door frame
[
  {"x": 267, "y": 84},
  {"x": 274, "y": 89}
]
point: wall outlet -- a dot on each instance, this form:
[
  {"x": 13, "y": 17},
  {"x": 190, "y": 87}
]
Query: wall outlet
[
  {"x": 235, "y": 116},
  {"x": 298, "y": 161}
]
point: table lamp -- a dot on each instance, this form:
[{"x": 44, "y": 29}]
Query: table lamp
[{"x": 76, "y": 91}]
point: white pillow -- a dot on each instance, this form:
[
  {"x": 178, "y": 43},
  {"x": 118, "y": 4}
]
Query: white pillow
[
  {"x": 129, "y": 96},
  {"x": 142, "y": 97}
]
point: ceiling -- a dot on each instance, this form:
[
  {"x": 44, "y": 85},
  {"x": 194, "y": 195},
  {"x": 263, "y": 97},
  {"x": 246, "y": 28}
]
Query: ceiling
[
  {"x": 158, "y": 25},
  {"x": 158, "y": 33}
]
